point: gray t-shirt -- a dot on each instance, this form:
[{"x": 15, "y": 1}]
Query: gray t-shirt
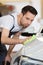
[{"x": 8, "y": 22}]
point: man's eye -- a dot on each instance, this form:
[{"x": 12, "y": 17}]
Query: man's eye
[{"x": 27, "y": 18}]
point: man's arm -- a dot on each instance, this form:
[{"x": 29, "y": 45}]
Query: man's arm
[
  {"x": 10, "y": 41},
  {"x": 8, "y": 58},
  {"x": 12, "y": 46}
]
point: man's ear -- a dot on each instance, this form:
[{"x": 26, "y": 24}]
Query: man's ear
[{"x": 20, "y": 15}]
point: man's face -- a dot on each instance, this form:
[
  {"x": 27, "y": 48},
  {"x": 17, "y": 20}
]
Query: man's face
[{"x": 27, "y": 19}]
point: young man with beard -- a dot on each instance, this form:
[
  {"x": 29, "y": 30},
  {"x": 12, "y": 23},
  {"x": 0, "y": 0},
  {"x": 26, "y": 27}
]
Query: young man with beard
[{"x": 14, "y": 23}]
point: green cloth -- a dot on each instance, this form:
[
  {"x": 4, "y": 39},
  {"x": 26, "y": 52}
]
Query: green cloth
[{"x": 30, "y": 40}]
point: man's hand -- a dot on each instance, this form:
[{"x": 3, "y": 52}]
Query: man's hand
[{"x": 7, "y": 58}]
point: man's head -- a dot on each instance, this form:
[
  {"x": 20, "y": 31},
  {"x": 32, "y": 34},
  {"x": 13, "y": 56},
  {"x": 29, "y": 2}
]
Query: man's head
[{"x": 27, "y": 15}]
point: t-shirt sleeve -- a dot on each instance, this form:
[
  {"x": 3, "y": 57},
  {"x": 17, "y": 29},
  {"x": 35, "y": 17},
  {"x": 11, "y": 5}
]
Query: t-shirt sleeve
[{"x": 7, "y": 22}]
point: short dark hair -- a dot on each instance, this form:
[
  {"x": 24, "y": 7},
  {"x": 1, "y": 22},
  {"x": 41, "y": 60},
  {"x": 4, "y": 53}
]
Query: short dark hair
[{"x": 30, "y": 9}]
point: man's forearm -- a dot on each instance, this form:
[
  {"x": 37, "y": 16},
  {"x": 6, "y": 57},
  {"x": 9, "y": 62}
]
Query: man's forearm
[
  {"x": 10, "y": 41},
  {"x": 10, "y": 49},
  {"x": 12, "y": 46}
]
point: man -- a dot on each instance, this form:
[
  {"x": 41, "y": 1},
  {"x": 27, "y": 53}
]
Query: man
[{"x": 14, "y": 23}]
